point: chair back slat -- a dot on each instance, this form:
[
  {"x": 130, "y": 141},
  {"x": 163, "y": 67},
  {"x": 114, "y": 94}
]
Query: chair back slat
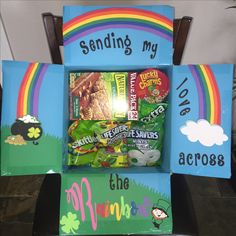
[
  {"x": 53, "y": 28},
  {"x": 58, "y": 23},
  {"x": 181, "y": 30}
]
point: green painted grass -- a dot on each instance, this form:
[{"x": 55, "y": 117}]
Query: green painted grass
[
  {"x": 101, "y": 192},
  {"x": 30, "y": 159}
]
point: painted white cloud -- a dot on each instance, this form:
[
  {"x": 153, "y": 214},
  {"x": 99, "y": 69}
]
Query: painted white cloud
[
  {"x": 51, "y": 172},
  {"x": 28, "y": 119},
  {"x": 204, "y": 132}
]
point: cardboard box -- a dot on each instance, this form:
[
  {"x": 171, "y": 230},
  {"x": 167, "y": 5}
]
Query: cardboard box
[{"x": 111, "y": 201}]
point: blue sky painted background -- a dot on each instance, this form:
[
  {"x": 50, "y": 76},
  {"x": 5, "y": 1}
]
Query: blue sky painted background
[{"x": 50, "y": 99}]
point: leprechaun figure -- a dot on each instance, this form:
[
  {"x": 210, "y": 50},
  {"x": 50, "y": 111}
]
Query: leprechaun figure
[{"x": 159, "y": 212}]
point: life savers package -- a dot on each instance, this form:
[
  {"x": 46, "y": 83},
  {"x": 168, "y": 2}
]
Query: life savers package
[{"x": 116, "y": 120}]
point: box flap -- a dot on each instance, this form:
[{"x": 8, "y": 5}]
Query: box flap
[
  {"x": 33, "y": 118},
  {"x": 115, "y": 203},
  {"x": 201, "y": 105},
  {"x": 110, "y": 38}
]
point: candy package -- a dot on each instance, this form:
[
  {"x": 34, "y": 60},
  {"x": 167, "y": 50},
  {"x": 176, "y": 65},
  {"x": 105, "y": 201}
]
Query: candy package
[
  {"x": 144, "y": 142},
  {"x": 100, "y": 138},
  {"x": 147, "y": 94},
  {"x": 98, "y": 143},
  {"x": 82, "y": 146},
  {"x": 112, "y": 147}
]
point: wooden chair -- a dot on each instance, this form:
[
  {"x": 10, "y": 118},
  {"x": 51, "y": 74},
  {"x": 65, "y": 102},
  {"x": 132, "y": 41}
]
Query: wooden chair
[
  {"x": 53, "y": 28},
  {"x": 181, "y": 30}
]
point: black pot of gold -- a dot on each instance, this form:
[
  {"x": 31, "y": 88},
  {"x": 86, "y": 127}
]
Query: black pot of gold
[{"x": 28, "y": 127}]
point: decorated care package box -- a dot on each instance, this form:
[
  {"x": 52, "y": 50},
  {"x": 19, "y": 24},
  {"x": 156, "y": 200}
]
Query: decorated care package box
[{"x": 116, "y": 120}]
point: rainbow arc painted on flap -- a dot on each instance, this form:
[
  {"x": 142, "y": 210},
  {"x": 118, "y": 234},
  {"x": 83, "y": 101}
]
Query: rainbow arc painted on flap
[
  {"x": 112, "y": 18},
  {"x": 208, "y": 93},
  {"x": 28, "y": 96}
]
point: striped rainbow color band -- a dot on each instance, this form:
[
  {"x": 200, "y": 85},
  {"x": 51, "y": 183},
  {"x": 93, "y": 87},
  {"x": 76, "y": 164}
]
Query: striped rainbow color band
[
  {"x": 110, "y": 18},
  {"x": 28, "y": 95},
  {"x": 208, "y": 93}
]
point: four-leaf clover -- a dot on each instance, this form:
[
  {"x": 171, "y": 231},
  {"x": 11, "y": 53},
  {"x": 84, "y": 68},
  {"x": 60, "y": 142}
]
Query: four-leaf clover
[
  {"x": 33, "y": 132},
  {"x": 70, "y": 223}
]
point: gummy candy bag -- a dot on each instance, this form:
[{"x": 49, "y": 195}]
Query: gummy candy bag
[
  {"x": 112, "y": 147},
  {"x": 82, "y": 146}
]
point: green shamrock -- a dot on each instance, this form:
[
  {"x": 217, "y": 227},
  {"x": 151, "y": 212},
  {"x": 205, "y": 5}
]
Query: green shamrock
[
  {"x": 69, "y": 223},
  {"x": 33, "y": 133}
]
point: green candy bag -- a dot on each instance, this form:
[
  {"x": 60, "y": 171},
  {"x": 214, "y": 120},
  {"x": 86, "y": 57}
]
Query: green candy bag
[
  {"x": 152, "y": 112},
  {"x": 112, "y": 148},
  {"x": 145, "y": 139},
  {"x": 82, "y": 146}
]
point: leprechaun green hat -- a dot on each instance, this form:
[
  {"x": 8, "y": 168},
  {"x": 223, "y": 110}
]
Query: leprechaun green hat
[{"x": 162, "y": 204}]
